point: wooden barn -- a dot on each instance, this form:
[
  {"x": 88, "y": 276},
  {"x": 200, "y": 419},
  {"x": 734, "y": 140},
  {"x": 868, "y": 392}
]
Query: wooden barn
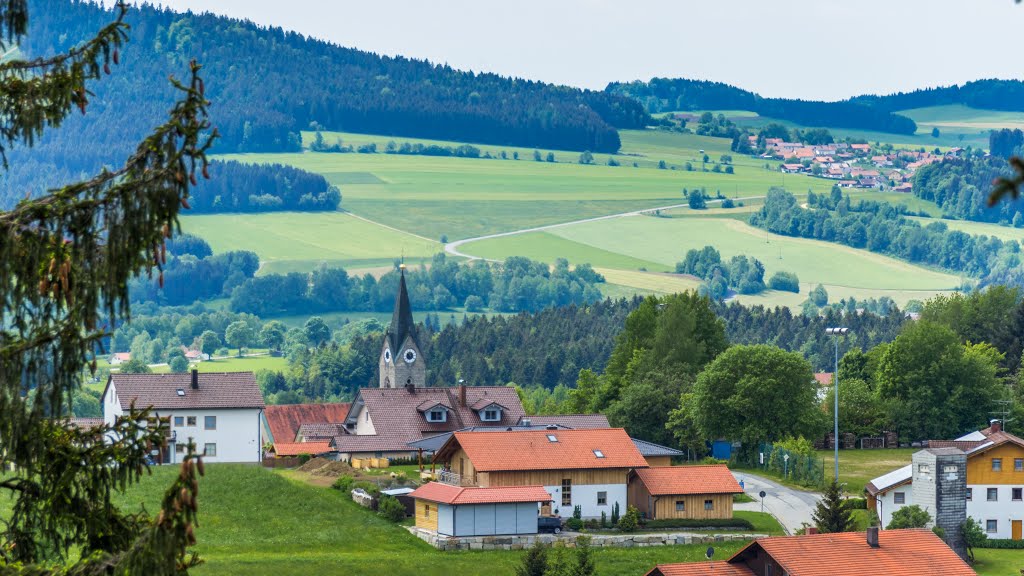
[{"x": 694, "y": 492}]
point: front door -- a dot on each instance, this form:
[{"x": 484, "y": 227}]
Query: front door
[{"x": 1015, "y": 529}]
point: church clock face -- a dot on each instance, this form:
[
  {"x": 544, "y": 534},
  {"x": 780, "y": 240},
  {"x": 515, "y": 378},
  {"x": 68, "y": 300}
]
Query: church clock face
[
  {"x": 387, "y": 355},
  {"x": 409, "y": 356}
]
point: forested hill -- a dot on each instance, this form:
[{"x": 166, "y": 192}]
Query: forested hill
[
  {"x": 1007, "y": 95},
  {"x": 266, "y": 84},
  {"x": 666, "y": 94}
]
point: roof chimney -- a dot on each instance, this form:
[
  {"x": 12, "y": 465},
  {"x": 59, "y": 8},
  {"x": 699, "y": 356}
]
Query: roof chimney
[
  {"x": 195, "y": 379},
  {"x": 409, "y": 386},
  {"x": 872, "y": 535},
  {"x": 812, "y": 530},
  {"x": 997, "y": 426},
  {"x": 462, "y": 395}
]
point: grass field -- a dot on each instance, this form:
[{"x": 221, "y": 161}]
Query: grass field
[
  {"x": 658, "y": 243},
  {"x": 258, "y": 522},
  {"x": 858, "y": 467},
  {"x": 299, "y": 241}
]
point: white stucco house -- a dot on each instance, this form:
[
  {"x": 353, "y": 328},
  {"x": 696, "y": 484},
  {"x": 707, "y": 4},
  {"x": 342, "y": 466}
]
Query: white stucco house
[
  {"x": 890, "y": 492},
  {"x": 221, "y": 412}
]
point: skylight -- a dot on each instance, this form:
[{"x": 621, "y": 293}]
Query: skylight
[
  {"x": 552, "y": 438},
  {"x": 598, "y": 453},
  {"x": 181, "y": 392}
]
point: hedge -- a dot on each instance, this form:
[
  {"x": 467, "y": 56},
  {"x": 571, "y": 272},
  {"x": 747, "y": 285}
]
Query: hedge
[
  {"x": 731, "y": 523},
  {"x": 856, "y": 504},
  {"x": 1003, "y": 544}
]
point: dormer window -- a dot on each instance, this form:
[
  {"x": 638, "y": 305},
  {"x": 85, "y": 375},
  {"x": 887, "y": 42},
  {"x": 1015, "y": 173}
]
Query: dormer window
[
  {"x": 437, "y": 415},
  {"x": 490, "y": 415}
]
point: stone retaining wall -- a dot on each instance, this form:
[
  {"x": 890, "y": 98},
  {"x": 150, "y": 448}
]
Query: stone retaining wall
[{"x": 512, "y": 542}]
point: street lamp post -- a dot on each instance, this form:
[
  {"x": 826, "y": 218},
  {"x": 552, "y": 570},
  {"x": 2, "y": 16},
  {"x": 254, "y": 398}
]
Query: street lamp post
[{"x": 836, "y": 333}]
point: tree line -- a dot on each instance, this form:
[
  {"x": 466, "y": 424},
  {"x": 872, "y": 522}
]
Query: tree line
[
  {"x": 515, "y": 285},
  {"x": 237, "y": 187},
  {"x": 961, "y": 188},
  {"x": 192, "y": 273},
  {"x": 991, "y": 94},
  {"x": 668, "y": 94},
  {"x": 880, "y": 227}
]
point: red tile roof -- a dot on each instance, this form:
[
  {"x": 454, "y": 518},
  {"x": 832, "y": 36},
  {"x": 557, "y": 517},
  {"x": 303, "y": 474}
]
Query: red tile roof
[
  {"x": 532, "y": 450},
  {"x": 915, "y": 552},
  {"x": 574, "y": 421},
  {"x": 673, "y": 480},
  {"x": 284, "y": 419},
  {"x": 719, "y": 568},
  {"x": 455, "y": 495},
  {"x": 296, "y": 448},
  {"x": 395, "y": 416},
  {"x": 85, "y": 423},
  {"x": 161, "y": 391},
  {"x": 823, "y": 378}
]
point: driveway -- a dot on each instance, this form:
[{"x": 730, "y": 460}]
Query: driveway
[{"x": 791, "y": 507}]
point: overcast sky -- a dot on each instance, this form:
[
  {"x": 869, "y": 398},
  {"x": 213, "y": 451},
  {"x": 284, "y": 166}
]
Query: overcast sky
[{"x": 815, "y": 49}]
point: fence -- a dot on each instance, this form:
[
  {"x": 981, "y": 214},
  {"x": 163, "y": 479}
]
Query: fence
[{"x": 799, "y": 468}]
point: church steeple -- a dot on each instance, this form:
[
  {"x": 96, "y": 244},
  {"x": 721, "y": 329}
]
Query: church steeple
[
  {"x": 402, "y": 324},
  {"x": 401, "y": 365}
]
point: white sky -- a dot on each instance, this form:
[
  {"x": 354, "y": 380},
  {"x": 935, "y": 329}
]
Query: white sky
[{"x": 812, "y": 49}]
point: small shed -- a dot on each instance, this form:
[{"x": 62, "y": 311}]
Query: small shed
[
  {"x": 696, "y": 492},
  {"x": 458, "y": 511},
  {"x": 403, "y": 495}
]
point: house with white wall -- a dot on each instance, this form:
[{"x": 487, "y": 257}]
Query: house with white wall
[
  {"x": 585, "y": 468},
  {"x": 221, "y": 412},
  {"x": 890, "y": 492}
]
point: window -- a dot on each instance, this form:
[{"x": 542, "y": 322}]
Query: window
[
  {"x": 997, "y": 464},
  {"x": 950, "y": 469},
  {"x": 210, "y": 449},
  {"x": 490, "y": 415},
  {"x": 437, "y": 416},
  {"x": 378, "y": 454},
  {"x": 993, "y": 494},
  {"x": 552, "y": 438},
  {"x": 566, "y": 492},
  {"x": 1018, "y": 464},
  {"x": 970, "y": 494},
  {"x": 191, "y": 421},
  {"x": 181, "y": 391},
  {"x": 709, "y": 504},
  {"x": 899, "y": 497},
  {"x": 210, "y": 422},
  {"x": 598, "y": 453},
  {"x": 179, "y": 448},
  {"x": 602, "y": 498},
  {"x": 179, "y": 421},
  {"x": 991, "y": 526},
  {"x": 680, "y": 505},
  {"x": 1016, "y": 494},
  {"x": 427, "y": 511},
  {"x": 923, "y": 468}
]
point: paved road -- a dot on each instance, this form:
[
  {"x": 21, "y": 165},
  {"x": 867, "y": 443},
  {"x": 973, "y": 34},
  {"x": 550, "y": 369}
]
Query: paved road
[
  {"x": 791, "y": 507},
  {"x": 453, "y": 247}
]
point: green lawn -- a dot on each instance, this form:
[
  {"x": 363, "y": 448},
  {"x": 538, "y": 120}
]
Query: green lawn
[
  {"x": 858, "y": 467},
  {"x": 991, "y": 562},
  {"x": 299, "y": 241},
  {"x": 254, "y": 522},
  {"x": 661, "y": 242}
]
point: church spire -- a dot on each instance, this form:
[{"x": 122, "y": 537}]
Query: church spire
[{"x": 401, "y": 319}]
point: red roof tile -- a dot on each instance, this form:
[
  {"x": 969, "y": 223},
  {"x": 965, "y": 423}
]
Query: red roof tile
[
  {"x": 284, "y": 419},
  {"x": 916, "y": 552},
  {"x": 533, "y": 450},
  {"x": 296, "y": 448},
  {"x": 673, "y": 480},
  {"x": 455, "y": 495},
  {"x": 719, "y": 568},
  {"x": 823, "y": 378},
  {"x": 161, "y": 391}
]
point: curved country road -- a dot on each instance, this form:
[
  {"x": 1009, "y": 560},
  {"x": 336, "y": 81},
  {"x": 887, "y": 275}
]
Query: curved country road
[
  {"x": 791, "y": 507},
  {"x": 453, "y": 247}
]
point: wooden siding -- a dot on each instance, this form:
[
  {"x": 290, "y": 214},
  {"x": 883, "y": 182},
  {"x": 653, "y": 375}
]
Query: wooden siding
[
  {"x": 660, "y": 507},
  {"x": 426, "y": 515},
  {"x": 979, "y": 468},
  {"x": 653, "y": 461},
  {"x": 553, "y": 477},
  {"x": 461, "y": 464},
  {"x": 665, "y": 506}
]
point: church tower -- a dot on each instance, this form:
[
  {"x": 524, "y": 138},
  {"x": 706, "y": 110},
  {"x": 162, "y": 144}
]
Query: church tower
[{"x": 401, "y": 364}]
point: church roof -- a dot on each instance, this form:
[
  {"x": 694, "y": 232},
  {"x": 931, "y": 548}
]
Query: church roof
[{"x": 402, "y": 324}]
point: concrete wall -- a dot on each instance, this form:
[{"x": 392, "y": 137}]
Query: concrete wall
[
  {"x": 237, "y": 437},
  {"x": 442, "y": 542}
]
